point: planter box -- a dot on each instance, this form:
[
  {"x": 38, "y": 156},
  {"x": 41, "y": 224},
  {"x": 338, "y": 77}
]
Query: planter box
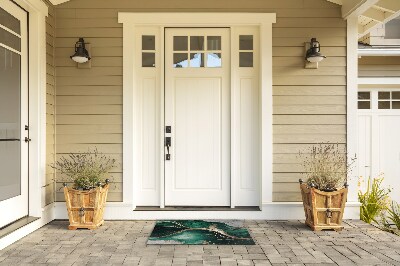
[
  {"x": 323, "y": 210},
  {"x": 85, "y": 207}
]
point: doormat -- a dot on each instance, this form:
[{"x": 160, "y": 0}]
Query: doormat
[{"x": 200, "y": 232}]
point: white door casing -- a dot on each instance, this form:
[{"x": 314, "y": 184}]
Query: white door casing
[
  {"x": 197, "y": 106},
  {"x": 17, "y": 206},
  {"x": 248, "y": 85},
  {"x": 379, "y": 142}
]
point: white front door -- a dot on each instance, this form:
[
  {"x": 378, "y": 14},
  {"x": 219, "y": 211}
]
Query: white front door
[
  {"x": 197, "y": 108},
  {"x": 378, "y": 136},
  {"x": 13, "y": 113}
]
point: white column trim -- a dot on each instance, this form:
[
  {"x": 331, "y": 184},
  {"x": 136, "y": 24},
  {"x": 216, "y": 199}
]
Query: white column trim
[
  {"x": 131, "y": 127},
  {"x": 352, "y": 88}
]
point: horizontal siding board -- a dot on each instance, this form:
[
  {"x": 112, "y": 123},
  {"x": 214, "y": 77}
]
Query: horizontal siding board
[
  {"x": 89, "y": 90},
  {"x": 89, "y": 109},
  {"x": 309, "y": 138},
  {"x": 309, "y": 90},
  {"x": 312, "y": 109},
  {"x": 88, "y": 100},
  {"x": 89, "y": 120},
  {"x": 309, "y": 120},
  {"x": 89, "y": 138},
  {"x": 89, "y": 129}
]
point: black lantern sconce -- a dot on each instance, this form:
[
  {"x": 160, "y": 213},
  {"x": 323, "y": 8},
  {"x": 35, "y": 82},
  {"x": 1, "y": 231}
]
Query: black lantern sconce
[
  {"x": 313, "y": 55},
  {"x": 81, "y": 54}
]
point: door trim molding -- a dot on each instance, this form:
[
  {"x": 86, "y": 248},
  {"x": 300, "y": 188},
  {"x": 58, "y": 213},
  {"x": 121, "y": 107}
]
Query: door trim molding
[
  {"x": 131, "y": 125},
  {"x": 37, "y": 102}
]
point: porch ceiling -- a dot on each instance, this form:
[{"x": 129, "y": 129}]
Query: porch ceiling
[{"x": 371, "y": 13}]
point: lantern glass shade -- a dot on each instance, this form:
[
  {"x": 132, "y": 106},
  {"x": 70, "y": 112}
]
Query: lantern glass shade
[
  {"x": 313, "y": 54},
  {"x": 81, "y": 54}
]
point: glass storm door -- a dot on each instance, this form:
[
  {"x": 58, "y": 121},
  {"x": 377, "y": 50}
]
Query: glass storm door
[
  {"x": 13, "y": 113},
  {"x": 197, "y": 108}
]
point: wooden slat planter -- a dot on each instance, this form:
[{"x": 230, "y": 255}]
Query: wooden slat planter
[
  {"x": 85, "y": 207},
  {"x": 323, "y": 210}
]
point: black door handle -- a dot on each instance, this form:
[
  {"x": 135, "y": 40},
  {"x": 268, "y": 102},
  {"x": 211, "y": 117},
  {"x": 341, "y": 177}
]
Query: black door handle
[{"x": 168, "y": 144}]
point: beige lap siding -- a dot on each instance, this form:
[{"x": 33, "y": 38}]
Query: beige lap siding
[
  {"x": 48, "y": 188},
  {"x": 378, "y": 66},
  {"x": 309, "y": 104}
]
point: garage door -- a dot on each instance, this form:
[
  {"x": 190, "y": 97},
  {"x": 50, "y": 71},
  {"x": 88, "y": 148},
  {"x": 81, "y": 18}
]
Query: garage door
[{"x": 379, "y": 136}]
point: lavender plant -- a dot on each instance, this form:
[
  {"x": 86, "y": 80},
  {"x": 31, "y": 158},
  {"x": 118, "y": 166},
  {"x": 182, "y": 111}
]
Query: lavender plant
[
  {"x": 325, "y": 166},
  {"x": 86, "y": 170}
]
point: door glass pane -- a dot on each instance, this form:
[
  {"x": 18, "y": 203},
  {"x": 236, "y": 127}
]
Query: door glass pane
[
  {"x": 148, "y": 42},
  {"x": 396, "y": 95},
  {"x": 246, "y": 42},
  {"x": 364, "y": 95},
  {"x": 364, "y": 105},
  {"x": 384, "y": 95},
  {"x": 214, "y": 43},
  {"x": 384, "y": 105},
  {"x": 10, "y": 40},
  {"x": 7, "y": 20},
  {"x": 246, "y": 59},
  {"x": 148, "y": 59},
  {"x": 10, "y": 121},
  {"x": 197, "y": 43},
  {"x": 180, "y": 43},
  {"x": 197, "y": 60},
  {"x": 214, "y": 60},
  {"x": 396, "y": 105},
  {"x": 180, "y": 60}
]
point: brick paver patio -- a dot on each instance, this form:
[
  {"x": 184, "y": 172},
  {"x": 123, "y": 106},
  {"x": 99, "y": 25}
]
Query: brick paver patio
[{"x": 278, "y": 243}]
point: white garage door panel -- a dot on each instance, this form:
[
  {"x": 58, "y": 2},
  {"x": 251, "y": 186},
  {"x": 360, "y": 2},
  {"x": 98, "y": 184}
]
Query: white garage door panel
[{"x": 389, "y": 152}]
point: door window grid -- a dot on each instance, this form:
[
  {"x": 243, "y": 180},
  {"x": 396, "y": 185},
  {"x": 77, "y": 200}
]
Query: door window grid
[
  {"x": 389, "y": 100},
  {"x": 197, "y": 51},
  {"x": 246, "y": 50},
  {"x": 379, "y": 99},
  {"x": 364, "y": 100},
  {"x": 148, "y": 51}
]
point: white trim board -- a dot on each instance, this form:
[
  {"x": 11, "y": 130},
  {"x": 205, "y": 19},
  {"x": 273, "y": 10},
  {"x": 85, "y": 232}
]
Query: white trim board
[
  {"x": 270, "y": 211},
  {"x": 379, "y": 80},
  {"x": 132, "y": 127}
]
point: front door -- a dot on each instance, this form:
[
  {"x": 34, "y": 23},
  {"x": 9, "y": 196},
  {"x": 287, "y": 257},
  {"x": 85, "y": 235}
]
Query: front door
[
  {"x": 13, "y": 113},
  {"x": 197, "y": 108}
]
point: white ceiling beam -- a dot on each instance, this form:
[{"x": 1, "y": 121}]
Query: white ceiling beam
[
  {"x": 375, "y": 14},
  {"x": 57, "y": 2},
  {"x": 389, "y": 5},
  {"x": 354, "y": 8},
  {"x": 338, "y": 2}
]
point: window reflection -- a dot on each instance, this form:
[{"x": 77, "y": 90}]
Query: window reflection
[
  {"x": 197, "y": 60},
  {"x": 180, "y": 60},
  {"x": 214, "y": 60}
]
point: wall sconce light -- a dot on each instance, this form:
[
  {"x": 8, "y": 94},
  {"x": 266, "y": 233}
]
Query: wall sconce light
[
  {"x": 313, "y": 55},
  {"x": 81, "y": 54}
]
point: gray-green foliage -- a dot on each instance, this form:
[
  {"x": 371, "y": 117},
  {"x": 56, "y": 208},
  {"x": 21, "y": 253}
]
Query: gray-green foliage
[
  {"x": 325, "y": 165},
  {"x": 86, "y": 170}
]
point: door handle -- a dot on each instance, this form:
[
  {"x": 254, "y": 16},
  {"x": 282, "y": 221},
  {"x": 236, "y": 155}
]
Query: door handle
[
  {"x": 168, "y": 144},
  {"x": 27, "y": 139}
]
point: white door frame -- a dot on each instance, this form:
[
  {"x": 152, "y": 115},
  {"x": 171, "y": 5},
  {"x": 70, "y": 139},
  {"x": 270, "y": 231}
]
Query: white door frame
[
  {"x": 131, "y": 123},
  {"x": 37, "y": 12}
]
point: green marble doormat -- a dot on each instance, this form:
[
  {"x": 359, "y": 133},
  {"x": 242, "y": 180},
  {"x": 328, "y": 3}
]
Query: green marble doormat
[{"x": 200, "y": 232}]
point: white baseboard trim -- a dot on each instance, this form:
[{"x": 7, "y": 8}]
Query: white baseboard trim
[
  {"x": 270, "y": 211},
  {"x": 47, "y": 216}
]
